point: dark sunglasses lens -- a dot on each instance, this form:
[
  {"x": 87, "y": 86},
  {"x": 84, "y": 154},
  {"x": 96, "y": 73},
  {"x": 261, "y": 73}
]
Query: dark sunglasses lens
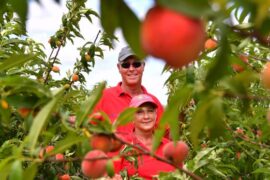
[
  {"x": 136, "y": 64},
  {"x": 125, "y": 65}
]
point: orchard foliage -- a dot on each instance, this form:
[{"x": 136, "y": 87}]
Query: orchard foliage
[{"x": 219, "y": 110}]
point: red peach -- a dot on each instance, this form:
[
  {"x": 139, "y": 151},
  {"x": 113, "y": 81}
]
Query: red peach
[
  {"x": 172, "y": 36},
  {"x": 176, "y": 152},
  {"x": 93, "y": 167}
]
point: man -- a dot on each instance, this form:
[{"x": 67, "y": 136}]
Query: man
[{"x": 116, "y": 99}]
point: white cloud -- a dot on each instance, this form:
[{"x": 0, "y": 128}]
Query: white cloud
[{"x": 45, "y": 20}]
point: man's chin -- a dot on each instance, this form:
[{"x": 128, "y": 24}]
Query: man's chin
[{"x": 133, "y": 82}]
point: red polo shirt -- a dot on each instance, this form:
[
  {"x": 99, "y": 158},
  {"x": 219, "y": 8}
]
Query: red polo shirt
[
  {"x": 114, "y": 101},
  {"x": 147, "y": 165}
]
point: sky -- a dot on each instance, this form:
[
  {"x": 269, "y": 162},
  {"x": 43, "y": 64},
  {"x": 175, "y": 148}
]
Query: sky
[{"x": 44, "y": 20}]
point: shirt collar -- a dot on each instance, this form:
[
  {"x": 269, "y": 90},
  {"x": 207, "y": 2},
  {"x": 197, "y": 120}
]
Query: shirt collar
[{"x": 120, "y": 91}]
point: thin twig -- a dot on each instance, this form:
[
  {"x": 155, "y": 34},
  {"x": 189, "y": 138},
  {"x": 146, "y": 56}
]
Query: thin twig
[{"x": 50, "y": 69}]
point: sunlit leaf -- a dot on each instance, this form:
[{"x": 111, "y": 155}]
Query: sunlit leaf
[
  {"x": 109, "y": 15},
  {"x": 125, "y": 117},
  {"x": 21, "y": 7},
  {"x": 171, "y": 115},
  {"x": 68, "y": 141},
  {"x": 87, "y": 107},
  {"x": 30, "y": 171},
  {"x": 190, "y": 7},
  {"x": 130, "y": 25},
  {"x": 41, "y": 119},
  {"x": 15, "y": 61},
  {"x": 16, "y": 171}
]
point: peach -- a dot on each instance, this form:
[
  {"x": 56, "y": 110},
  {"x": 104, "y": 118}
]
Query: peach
[
  {"x": 92, "y": 166},
  {"x": 64, "y": 177},
  {"x": 265, "y": 75},
  {"x": 59, "y": 157},
  {"x": 49, "y": 149},
  {"x": 172, "y": 36},
  {"x": 75, "y": 77},
  {"x": 55, "y": 69},
  {"x": 177, "y": 153},
  {"x": 101, "y": 142},
  {"x": 210, "y": 44},
  {"x": 24, "y": 112}
]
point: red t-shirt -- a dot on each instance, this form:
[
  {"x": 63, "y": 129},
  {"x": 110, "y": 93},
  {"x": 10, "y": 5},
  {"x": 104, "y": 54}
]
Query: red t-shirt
[
  {"x": 114, "y": 101},
  {"x": 147, "y": 166}
]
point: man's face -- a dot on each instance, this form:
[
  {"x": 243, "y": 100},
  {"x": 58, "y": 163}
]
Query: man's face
[
  {"x": 131, "y": 70},
  {"x": 145, "y": 117}
]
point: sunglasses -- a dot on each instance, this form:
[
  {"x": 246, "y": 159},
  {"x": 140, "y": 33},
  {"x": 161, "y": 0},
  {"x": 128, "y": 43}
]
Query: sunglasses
[{"x": 126, "y": 65}]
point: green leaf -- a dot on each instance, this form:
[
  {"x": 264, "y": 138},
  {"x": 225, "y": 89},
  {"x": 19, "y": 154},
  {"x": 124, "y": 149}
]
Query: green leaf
[
  {"x": 23, "y": 84},
  {"x": 170, "y": 116},
  {"x": 125, "y": 117},
  {"x": 87, "y": 107},
  {"x": 30, "y": 172},
  {"x": 67, "y": 142},
  {"x": 208, "y": 113},
  {"x": 193, "y": 8},
  {"x": 217, "y": 69},
  {"x": 41, "y": 119},
  {"x": 15, "y": 61},
  {"x": 109, "y": 15},
  {"x": 198, "y": 121},
  {"x": 16, "y": 172},
  {"x": 110, "y": 168},
  {"x": 5, "y": 166},
  {"x": 262, "y": 170},
  {"x": 20, "y": 7},
  {"x": 130, "y": 25}
]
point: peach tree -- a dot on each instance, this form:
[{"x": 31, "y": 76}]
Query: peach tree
[{"x": 216, "y": 102}]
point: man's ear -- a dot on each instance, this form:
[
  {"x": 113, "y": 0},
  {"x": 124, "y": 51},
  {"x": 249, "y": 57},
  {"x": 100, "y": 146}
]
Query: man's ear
[{"x": 118, "y": 66}]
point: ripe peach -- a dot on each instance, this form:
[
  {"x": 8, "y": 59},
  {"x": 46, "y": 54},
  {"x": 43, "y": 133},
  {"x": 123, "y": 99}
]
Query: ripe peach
[
  {"x": 210, "y": 44},
  {"x": 115, "y": 145},
  {"x": 49, "y": 149},
  {"x": 172, "y": 36},
  {"x": 24, "y": 112},
  {"x": 101, "y": 141},
  {"x": 75, "y": 77},
  {"x": 59, "y": 157},
  {"x": 64, "y": 177},
  {"x": 244, "y": 58},
  {"x": 265, "y": 75},
  {"x": 176, "y": 153},
  {"x": 239, "y": 131},
  {"x": 239, "y": 67},
  {"x": 92, "y": 166},
  {"x": 55, "y": 69}
]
